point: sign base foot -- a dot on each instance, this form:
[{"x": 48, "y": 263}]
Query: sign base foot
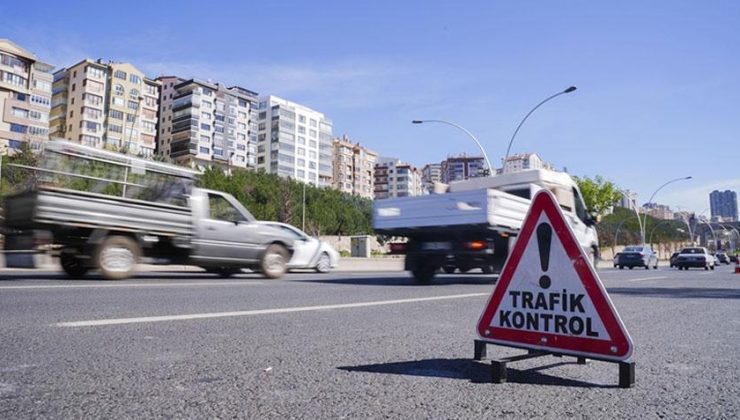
[{"x": 499, "y": 366}]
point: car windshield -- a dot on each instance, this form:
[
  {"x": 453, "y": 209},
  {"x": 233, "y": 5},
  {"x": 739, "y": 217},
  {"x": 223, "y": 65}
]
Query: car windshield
[
  {"x": 692, "y": 251},
  {"x": 633, "y": 249}
]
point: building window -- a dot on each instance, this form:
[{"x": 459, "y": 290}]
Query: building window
[
  {"x": 115, "y": 128},
  {"x": 16, "y": 80},
  {"x": 134, "y": 94},
  {"x": 41, "y": 100},
  {"x": 17, "y": 128},
  {"x": 204, "y": 150},
  {"x": 42, "y": 85},
  {"x": 120, "y": 74},
  {"x": 20, "y": 113},
  {"x": 118, "y": 101},
  {"x": 133, "y": 105},
  {"x": 95, "y": 72},
  {"x": 134, "y": 79},
  {"x": 206, "y": 127},
  {"x": 301, "y": 130}
]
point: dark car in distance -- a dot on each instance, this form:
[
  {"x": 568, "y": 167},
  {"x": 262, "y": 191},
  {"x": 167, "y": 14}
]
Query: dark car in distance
[{"x": 637, "y": 256}]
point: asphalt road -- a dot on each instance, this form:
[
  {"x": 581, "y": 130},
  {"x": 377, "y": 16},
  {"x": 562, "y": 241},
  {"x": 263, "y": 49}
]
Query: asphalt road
[{"x": 363, "y": 345}]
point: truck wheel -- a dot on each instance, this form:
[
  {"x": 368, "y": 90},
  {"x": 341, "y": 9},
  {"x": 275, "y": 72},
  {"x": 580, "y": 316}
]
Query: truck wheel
[
  {"x": 72, "y": 265},
  {"x": 117, "y": 257},
  {"x": 423, "y": 273},
  {"x": 449, "y": 269},
  {"x": 274, "y": 262},
  {"x": 487, "y": 269}
]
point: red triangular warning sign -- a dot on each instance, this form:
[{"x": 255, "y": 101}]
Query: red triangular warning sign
[{"x": 549, "y": 297}]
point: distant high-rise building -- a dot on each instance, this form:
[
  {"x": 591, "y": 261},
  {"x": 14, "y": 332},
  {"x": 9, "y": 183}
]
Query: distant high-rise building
[
  {"x": 354, "y": 168},
  {"x": 25, "y": 97},
  {"x": 628, "y": 200},
  {"x": 294, "y": 141},
  {"x": 523, "y": 162},
  {"x": 106, "y": 104},
  {"x": 431, "y": 173},
  {"x": 723, "y": 205},
  {"x": 460, "y": 168},
  {"x": 394, "y": 178},
  {"x": 202, "y": 123}
]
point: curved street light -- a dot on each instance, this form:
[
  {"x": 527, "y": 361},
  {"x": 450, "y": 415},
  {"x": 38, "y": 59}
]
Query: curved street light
[
  {"x": 508, "y": 149},
  {"x": 644, "y": 221},
  {"x": 466, "y": 131}
]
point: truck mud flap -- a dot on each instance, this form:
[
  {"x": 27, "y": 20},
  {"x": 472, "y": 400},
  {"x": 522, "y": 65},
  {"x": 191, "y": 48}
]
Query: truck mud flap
[{"x": 19, "y": 252}]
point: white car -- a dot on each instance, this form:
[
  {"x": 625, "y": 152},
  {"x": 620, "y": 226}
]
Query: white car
[
  {"x": 308, "y": 252},
  {"x": 694, "y": 257}
]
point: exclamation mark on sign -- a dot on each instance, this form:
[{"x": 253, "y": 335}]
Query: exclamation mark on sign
[{"x": 544, "y": 237}]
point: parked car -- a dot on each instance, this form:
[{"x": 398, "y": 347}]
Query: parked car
[
  {"x": 722, "y": 257},
  {"x": 616, "y": 259},
  {"x": 694, "y": 257},
  {"x": 673, "y": 259},
  {"x": 733, "y": 258},
  {"x": 637, "y": 256},
  {"x": 308, "y": 252}
]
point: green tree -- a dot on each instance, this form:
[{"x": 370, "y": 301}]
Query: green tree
[{"x": 598, "y": 193}]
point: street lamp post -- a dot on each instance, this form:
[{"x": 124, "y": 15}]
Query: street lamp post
[
  {"x": 644, "y": 221},
  {"x": 485, "y": 155},
  {"x": 508, "y": 149}
]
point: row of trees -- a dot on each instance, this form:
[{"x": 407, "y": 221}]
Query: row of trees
[{"x": 269, "y": 197}]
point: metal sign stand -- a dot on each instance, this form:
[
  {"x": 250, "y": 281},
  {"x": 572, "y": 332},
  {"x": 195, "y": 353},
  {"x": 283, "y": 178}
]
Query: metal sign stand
[{"x": 499, "y": 370}]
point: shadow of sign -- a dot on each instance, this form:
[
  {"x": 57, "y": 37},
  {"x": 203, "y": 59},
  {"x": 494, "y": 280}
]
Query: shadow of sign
[{"x": 475, "y": 372}]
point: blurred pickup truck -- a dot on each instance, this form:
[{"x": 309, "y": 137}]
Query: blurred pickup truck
[
  {"x": 473, "y": 223},
  {"x": 108, "y": 211}
]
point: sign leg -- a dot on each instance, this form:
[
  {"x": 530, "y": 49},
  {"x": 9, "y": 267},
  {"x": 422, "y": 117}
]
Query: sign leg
[
  {"x": 480, "y": 350},
  {"x": 626, "y": 374},
  {"x": 498, "y": 371}
]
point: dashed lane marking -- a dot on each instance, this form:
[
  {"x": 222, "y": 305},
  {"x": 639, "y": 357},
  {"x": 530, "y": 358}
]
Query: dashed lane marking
[
  {"x": 118, "y": 321},
  {"x": 647, "y": 278}
]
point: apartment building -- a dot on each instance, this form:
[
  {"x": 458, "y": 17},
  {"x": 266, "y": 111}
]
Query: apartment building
[
  {"x": 431, "y": 173},
  {"x": 354, "y": 168},
  {"x": 628, "y": 200},
  {"x": 294, "y": 141},
  {"x": 202, "y": 123},
  {"x": 659, "y": 211},
  {"x": 523, "y": 162},
  {"x": 106, "y": 104},
  {"x": 25, "y": 97},
  {"x": 394, "y": 178},
  {"x": 723, "y": 205},
  {"x": 460, "y": 168}
]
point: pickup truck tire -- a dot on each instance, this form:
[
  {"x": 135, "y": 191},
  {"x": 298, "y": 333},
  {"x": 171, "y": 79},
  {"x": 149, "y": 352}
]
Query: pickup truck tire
[
  {"x": 117, "y": 257},
  {"x": 423, "y": 273},
  {"x": 73, "y": 266},
  {"x": 274, "y": 262}
]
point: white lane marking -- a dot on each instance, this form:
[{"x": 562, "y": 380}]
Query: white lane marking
[
  {"x": 114, "y": 321},
  {"x": 102, "y": 286},
  {"x": 647, "y": 278}
]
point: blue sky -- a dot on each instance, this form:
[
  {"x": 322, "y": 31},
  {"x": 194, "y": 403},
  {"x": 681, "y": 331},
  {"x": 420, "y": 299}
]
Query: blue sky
[{"x": 658, "y": 81}]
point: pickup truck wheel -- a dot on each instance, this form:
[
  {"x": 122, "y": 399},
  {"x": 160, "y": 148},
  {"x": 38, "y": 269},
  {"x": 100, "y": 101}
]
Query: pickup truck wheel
[
  {"x": 117, "y": 257},
  {"x": 274, "y": 263},
  {"x": 72, "y": 265},
  {"x": 423, "y": 273},
  {"x": 449, "y": 269}
]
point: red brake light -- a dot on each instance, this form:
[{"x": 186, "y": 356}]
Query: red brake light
[{"x": 476, "y": 245}]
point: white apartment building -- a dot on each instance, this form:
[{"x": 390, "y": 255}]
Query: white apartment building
[
  {"x": 106, "y": 104},
  {"x": 25, "y": 97},
  {"x": 294, "y": 141},
  {"x": 523, "y": 162},
  {"x": 431, "y": 173},
  {"x": 460, "y": 168},
  {"x": 394, "y": 178},
  {"x": 628, "y": 200},
  {"x": 354, "y": 168},
  {"x": 203, "y": 123}
]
